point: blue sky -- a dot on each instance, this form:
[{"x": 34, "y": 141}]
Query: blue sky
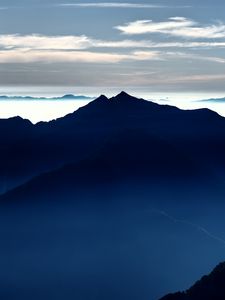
[{"x": 165, "y": 46}]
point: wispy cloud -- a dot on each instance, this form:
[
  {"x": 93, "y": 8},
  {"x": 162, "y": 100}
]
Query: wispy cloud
[
  {"x": 192, "y": 56},
  {"x": 43, "y": 42},
  {"x": 127, "y": 43},
  {"x": 71, "y": 42},
  {"x": 206, "y": 45},
  {"x": 51, "y": 56},
  {"x": 112, "y": 5},
  {"x": 33, "y": 48},
  {"x": 199, "y": 78},
  {"x": 168, "y": 55},
  {"x": 28, "y": 56},
  {"x": 175, "y": 26}
]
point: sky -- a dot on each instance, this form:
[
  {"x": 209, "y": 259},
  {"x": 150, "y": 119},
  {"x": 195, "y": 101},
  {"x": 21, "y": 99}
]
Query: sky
[{"x": 160, "y": 46}]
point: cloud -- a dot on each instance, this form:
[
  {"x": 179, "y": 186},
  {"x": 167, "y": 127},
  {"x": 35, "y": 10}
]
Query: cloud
[
  {"x": 148, "y": 26},
  {"x": 204, "y": 77},
  {"x": 192, "y": 56},
  {"x": 27, "y": 56},
  {"x": 33, "y": 48},
  {"x": 52, "y": 56},
  {"x": 176, "y": 26},
  {"x": 44, "y": 42},
  {"x": 112, "y": 5},
  {"x": 205, "y": 45},
  {"x": 197, "y": 78},
  {"x": 71, "y": 42}
]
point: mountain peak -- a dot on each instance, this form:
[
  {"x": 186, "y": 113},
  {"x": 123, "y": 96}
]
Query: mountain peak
[
  {"x": 101, "y": 99},
  {"x": 123, "y": 94},
  {"x": 68, "y": 96},
  {"x": 123, "y": 97}
]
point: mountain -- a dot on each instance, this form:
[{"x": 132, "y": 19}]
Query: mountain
[
  {"x": 73, "y": 97},
  {"x": 213, "y": 100},
  {"x": 104, "y": 202},
  {"x": 208, "y": 288},
  {"x": 65, "y": 97},
  {"x": 44, "y": 146}
]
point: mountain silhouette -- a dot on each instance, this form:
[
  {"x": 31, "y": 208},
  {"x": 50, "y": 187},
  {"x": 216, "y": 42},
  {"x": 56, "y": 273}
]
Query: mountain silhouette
[
  {"x": 65, "y": 97},
  {"x": 106, "y": 201},
  {"x": 47, "y": 146},
  {"x": 213, "y": 100},
  {"x": 71, "y": 96},
  {"x": 139, "y": 139},
  {"x": 208, "y": 288}
]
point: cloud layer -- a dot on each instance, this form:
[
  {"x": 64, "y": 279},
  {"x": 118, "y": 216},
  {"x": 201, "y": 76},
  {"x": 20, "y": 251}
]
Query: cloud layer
[
  {"x": 112, "y": 5},
  {"x": 32, "y": 48},
  {"x": 175, "y": 26},
  {"x": 27, "y": 56},
  {"x": 69, "y": 42},
  {"x": 56, "y": 56}
]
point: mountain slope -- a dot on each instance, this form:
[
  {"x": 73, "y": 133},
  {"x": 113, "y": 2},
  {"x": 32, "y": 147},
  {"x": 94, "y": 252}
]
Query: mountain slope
[
  {"x": 122, "y": 192},
  {"x": 132, "y": 158},
  {"x": 32, "y": 149},
  {"x": 208, "y": 288}
]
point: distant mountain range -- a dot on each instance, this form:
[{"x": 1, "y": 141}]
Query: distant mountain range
[
  {"x": 65, "y": 97},
  {"x": 210, "y": 287},
  {"x": 213, "y": 100},
  {"x": 106, "y": 201}
]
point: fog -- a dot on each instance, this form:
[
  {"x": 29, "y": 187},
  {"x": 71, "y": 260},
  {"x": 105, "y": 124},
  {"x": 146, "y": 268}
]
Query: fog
[{"x": 115, "y": 245}]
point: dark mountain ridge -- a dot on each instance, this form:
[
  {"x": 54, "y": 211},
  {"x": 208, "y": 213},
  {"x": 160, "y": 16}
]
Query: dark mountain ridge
[
  {"x": 47, "y": 146},
  {"x": 117, "y": 195},
  {"x": 210, "y": 287}
]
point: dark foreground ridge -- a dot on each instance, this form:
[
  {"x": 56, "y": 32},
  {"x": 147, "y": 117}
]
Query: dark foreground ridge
[
  {"x": 105, "y": 202},
  {"x": 210, "y": 287}
]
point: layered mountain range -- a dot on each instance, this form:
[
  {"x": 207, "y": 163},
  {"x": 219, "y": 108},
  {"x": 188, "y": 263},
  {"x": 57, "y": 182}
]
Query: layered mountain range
[
  {"x": 28, "y": 150},
  {"x": 65, "y": 97},
  {"x": 105, "y": 202}
]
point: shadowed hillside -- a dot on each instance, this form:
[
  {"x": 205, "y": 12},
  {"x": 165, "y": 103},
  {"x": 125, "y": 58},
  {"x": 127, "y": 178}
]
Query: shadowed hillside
[
  {"x": 208, "y": 288},
  {"x": 28, "y": 150},
  {"x": 117, "y": 195}
]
